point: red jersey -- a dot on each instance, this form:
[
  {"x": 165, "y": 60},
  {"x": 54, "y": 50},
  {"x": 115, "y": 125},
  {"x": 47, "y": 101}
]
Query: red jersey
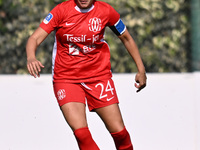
[{"x": 80, "y": 52}]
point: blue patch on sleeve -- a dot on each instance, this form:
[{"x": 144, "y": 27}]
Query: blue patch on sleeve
[
  {"x": 120, "y": 26},
  {"x": 48, "y": 18}
]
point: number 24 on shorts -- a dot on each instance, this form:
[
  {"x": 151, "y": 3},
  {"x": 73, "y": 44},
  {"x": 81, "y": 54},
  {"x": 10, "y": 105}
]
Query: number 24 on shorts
[{"x": 108, "y": 88}]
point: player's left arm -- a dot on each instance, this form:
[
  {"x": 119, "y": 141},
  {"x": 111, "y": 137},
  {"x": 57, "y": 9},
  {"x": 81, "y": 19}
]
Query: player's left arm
[{"x": 132, "y": 48}]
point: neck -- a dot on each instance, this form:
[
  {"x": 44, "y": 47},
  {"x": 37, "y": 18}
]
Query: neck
[{"x": 84, "y": 10}]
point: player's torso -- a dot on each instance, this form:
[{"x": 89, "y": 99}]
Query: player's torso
[
  {"x": 81, "y": 53},
  {"x": 82, "y": 32}
]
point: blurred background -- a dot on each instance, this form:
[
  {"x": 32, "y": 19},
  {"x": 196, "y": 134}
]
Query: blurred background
[{"x": 166, "y": 32}]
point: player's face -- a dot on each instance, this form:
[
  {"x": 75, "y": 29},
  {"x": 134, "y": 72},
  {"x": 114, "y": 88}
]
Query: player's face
[{"x": 84, "y": 4}]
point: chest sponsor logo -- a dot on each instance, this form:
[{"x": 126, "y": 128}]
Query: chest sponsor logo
[
  {"x": 95, "y": 24},
  {"x": 81, "y": 38},
  {"x": 74, "y": 49}
]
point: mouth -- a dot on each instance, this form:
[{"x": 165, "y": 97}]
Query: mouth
[{"x": 83, "y": 2}]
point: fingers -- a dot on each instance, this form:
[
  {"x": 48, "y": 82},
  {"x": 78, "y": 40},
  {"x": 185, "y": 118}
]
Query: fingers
[
  {"x": 31, "y": 70},
  {"x": 140, "y": 81},
  {"x": 34, "y": 67},
  {"x": 139, "y": 87}
]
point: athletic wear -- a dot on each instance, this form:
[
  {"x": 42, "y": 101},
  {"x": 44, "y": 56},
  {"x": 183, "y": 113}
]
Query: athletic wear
[
  {"x": 122, "y": 140},
  {"x": 84, "y": 139},
  {"x": 98, "y": 94},
  {"x": 81, "y": 61},
  {"x": 80, "y": 53}
]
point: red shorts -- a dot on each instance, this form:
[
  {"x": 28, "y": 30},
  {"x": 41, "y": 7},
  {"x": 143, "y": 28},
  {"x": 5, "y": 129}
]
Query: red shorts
[{"x": 98, "y": 94}]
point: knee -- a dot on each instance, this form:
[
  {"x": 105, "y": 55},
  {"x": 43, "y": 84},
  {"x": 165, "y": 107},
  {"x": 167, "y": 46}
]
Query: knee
[
  {"x": 122, "y": 140},
  {"x": 75, "y": 128},
  {"x": 85, "y": 140},
  {"x": 115, "y": 127},
  {"x": 82, "y": 134}
]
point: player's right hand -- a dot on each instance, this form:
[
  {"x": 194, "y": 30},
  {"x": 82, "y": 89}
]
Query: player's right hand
[{"x": 34, "y": 67}]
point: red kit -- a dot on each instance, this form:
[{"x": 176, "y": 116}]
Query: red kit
[{"x": 80, "y": 53}]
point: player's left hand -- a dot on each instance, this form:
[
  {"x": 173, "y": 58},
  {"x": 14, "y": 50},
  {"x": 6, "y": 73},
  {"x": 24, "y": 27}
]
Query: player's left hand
[{"x": 140, "y": 80}]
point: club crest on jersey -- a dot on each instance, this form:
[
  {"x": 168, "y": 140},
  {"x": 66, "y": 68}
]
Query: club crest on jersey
[
  {"x": 48, "y": 18},
  {"x": 95, "y": 24}
]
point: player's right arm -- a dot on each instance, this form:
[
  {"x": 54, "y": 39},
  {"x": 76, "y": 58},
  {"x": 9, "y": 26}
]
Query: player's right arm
[{"x": 33, "y": 65}]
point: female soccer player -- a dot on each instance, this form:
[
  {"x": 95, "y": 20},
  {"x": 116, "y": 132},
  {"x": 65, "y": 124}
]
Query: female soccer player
[{"x": 81, "y": 66}]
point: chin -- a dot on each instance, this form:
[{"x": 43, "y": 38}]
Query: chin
[{"x": 84, "y": 7}]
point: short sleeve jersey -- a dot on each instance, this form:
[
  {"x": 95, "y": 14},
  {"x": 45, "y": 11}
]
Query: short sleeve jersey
[{"x": 80, "y": 53}]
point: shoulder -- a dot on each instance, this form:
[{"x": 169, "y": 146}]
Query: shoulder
[
  {"x": 66, "y": 4},
  {"x": 103, "y": 4},
  {"x": 105, "y": 8},
  {"x": 63, "y": 8}
]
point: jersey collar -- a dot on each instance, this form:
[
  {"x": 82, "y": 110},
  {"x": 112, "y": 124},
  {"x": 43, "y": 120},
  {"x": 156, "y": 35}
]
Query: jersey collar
[{"x": 84, "y": 10}]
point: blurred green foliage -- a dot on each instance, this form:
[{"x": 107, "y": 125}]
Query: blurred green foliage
[{"x": 160, "y": 29}]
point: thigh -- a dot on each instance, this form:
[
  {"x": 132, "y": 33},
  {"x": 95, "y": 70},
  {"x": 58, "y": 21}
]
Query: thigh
[
  {"x": 71, "y": 99},
  {"x": 112, "y": 118},
  {"x": 68, "y": 92},
  {"x": 75, "y": 115}
]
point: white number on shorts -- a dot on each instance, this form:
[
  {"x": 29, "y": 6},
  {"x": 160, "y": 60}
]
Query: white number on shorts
[{"x": 108, "y": 89}]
